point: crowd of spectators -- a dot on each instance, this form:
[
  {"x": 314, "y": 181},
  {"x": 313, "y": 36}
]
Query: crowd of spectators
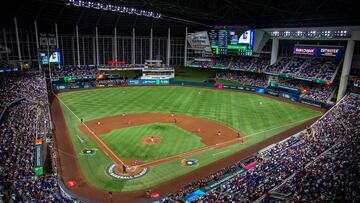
[
  {"x": 74, "y": 71},
  {"x": 20, "y": 126},
  {"x": 222, "y": 62},
  {"x": 294, "y": 66},
  {"x": 259, "y": 64},
  {"x": 13, "y": 86},
  {"x": 241, "y": 63},
  {"x": 256, "y": 64},
  {"x": 328, "y": 69},
  {"x": 317, "y": 92},
  {"x": 322, "y": 68},
  {"x": 335, "y": 176},
  {"x": 243, "y": 78},
  {"x": 310, "y": 90},
  {"x": 311, "y": 69},
  {"x": 278, "y": 163},
  {"x": 277, "y": 67},
  {"x": 202, "y": 64}
]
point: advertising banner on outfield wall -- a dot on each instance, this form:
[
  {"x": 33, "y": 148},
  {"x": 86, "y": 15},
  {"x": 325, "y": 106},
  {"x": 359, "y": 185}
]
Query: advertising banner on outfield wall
[
  {"x": 148, "y": 82},
  {"x": 251, "y": 89}
]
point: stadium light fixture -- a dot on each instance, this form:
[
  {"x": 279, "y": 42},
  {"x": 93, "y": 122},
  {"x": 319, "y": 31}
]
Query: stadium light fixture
[
  {"x": 114, "y": 8},
  {"x": 312, "y": 34}
]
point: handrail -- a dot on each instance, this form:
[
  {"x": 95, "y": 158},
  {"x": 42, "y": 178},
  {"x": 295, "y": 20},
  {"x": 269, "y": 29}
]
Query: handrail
[{"x": 9, "y": 105}]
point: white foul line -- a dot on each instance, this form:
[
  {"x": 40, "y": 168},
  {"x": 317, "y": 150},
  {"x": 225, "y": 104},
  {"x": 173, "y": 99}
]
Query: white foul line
[{"x": 92, "y": 132}]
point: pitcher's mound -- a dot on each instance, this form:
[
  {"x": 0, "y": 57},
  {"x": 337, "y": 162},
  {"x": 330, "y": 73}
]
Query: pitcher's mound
[{"x": 150, "y": 140}]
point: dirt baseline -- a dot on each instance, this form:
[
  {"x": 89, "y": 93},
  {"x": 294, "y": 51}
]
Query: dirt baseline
[
  {"x": 212, "y": 133},
  {"x": 206, "y": 129},
  {"x": 69, "y": 168}
]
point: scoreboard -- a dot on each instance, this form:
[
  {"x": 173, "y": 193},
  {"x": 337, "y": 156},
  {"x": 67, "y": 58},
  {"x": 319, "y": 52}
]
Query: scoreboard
[{"x": 231, "y": 41}]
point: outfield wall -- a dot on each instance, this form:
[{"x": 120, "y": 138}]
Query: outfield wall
[{"x": 277, "y": 92}]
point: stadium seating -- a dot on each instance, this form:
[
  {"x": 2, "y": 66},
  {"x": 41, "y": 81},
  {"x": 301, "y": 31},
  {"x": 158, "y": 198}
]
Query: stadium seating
[
  {"x": 254, "y": 64},
  {"x": 241, "y": 63},
  {"x": 277, "y": 67},
  {"x": 243, "y": 78},
  {"x": 13, "y": 87},
  {"x": 74, "y": 71},
  {"x": 311, "y": 90},
  {"x": 222, "y": 62},
  {"x": 202, "y": 64},
  {"x": 321, "y": 68},
  {"x": 299, "y": 163},
  {"x": 294, "y": 66},
  {"x": 294, "y": 168},
  {"x": 18, "y": 132}
]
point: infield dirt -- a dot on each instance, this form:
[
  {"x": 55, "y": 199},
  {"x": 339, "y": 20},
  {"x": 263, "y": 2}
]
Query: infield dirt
[{"x": 69, "y": 169}]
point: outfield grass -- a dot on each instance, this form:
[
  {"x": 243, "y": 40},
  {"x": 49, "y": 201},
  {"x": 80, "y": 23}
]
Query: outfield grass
[
  {"x": 254, "y": 116},
  {"x": 126, "y": 144}
]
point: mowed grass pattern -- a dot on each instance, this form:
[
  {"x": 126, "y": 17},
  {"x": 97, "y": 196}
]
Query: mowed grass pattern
[
  {"x": 247, "y": 113},
  {"x": 254, "y": 116},
  {"x": 174, "y": 140}
]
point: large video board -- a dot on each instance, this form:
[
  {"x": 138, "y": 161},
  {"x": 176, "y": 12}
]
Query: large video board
[
  {"x": 54, "y": 57},
  {"x": 231, "y": 41}
]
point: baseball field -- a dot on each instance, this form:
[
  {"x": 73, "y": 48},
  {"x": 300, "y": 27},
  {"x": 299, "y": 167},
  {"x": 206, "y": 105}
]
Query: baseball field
[{"x": 157, "y": 128}]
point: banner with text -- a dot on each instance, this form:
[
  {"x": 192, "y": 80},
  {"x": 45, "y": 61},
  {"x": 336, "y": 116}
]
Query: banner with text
[{"x": 319, "y": 51}]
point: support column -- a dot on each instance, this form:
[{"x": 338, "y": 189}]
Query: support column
[
  {"x": 274, "y": 51},
  {"x": 115, "y": 46},
  {"x": 83, "y": 50},
  {"x": 185, "y": 47},
  {"x": 28, "y": 46},
  {"x": 77, "y": 45},
  {"x": 103, "y": 50},
  {"x": 97, "y": 45},
  {"x": 346, "y": 69},
  {"x": 168, "y": 49},
  {"x": 141, "y": 56},
  {"x": 17, "y": 40},
  {"x": 73, "y": 51},
  {"x": 159, "y": 50},
  {"x": 6, "y": 45},
  {"x": 123, "y": 50},
  {"x": 37, "y": 43},
  {"x": 133, "y": 47},
  {"x": 62, "y": 51},
  {"x": 57, "y": 41},
  {"x": 151, "y": 44},
  {"x": 94, "y": 50}
]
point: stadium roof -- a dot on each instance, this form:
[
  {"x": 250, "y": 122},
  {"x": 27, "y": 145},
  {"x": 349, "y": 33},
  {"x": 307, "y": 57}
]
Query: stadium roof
[{"x": 197, "y": 14}]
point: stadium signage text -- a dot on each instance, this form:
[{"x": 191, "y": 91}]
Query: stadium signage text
[
  {"x": 319, "y": 51},
  {"x": 306, "y": 51}
]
